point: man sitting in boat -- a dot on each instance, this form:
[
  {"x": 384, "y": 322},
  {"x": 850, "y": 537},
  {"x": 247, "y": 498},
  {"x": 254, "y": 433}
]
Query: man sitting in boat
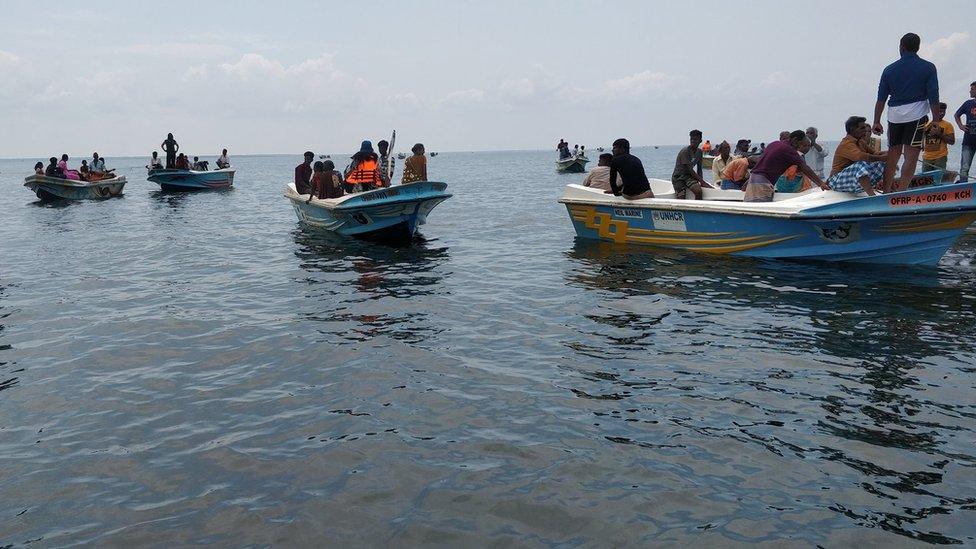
[
  {"x": 415, "y": 167},
  {"x": 97, "y": 166},
  {"x": 363, "y": 174},
  {"x": 720, "y": 162},
  {"x": 223, "y": 161},
  {"x": 200, "y": 166},
  {"x": 155, "y": 163},
  {"x": 303, "y": 174},
  {"x": 687, "y": 175},
  {"x": 635, "y": 184},
  {"x": 779, "y": 156},
  {"x": 599, "y": 177},
  {"x": 736, "y": 174},
  {"x": 854, "y": 169},
  {"x": 53, "y": 170}
]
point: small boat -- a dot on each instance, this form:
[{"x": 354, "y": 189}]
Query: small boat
[
  {"x": 401, "y": 156},
  {"x": 55, "y": 188},
  {"x": 707, "y": 160},
  {"x": 600, "y": 149},
  {"x": 390, "y": 214},
  {"x": 914, "y": 226},
  {"x": 192, "y": 180},
  {"x": 573, "y": 164},
  {"x": 433, "y": 154},
  {"x": 325, "y": 156}
]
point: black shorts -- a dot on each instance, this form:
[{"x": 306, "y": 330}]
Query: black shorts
[{"x": 907, "y": 133}]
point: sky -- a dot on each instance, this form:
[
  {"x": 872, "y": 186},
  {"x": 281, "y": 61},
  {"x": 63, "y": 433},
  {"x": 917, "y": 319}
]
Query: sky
[{"x": 289, "y": 76}]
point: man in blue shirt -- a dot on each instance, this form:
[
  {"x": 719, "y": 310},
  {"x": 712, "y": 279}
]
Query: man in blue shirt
[
  {"x": 911, "y": 88},
  {"x": 968, "y": 133}
]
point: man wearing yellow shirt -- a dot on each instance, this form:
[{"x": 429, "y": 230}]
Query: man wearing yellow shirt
[{"x": 938, "y": 135}]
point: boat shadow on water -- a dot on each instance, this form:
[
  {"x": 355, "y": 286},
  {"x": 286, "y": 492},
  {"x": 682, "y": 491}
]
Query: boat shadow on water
[{"x": 358, "y": 290}]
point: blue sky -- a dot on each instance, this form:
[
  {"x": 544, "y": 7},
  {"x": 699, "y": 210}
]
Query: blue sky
[{"x": 260, "y": 77}]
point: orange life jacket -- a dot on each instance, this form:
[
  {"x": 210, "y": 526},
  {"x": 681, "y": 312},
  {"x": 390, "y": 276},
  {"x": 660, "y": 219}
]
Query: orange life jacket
[{"x": 367, "y": 173}]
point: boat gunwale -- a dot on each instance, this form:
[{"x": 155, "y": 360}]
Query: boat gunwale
[
  {"x": 330, "y": 204},
  {"x": 74, "y": 183}
]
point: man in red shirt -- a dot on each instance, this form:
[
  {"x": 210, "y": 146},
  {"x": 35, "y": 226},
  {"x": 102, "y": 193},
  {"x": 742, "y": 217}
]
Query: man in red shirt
[
  {"x": 303, "y": 174},
  {"x": 779, "y": 156}
]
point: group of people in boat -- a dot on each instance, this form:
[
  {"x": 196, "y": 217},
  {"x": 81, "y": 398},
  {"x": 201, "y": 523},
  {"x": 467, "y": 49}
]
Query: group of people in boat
[
  {"x": 367, "y": 171},
  {"x": 95, "y": 171},
  {"x": 563, "y": 149},
  {"x": 176, "y": 160},
  {"x": 796, "y": 162}
]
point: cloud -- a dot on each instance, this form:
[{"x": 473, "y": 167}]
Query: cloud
[
  {"x": 8, "y": 59},
  {"x": 942, "y": 50},
  {"x": 639, "y": 84},
  {"x": 190, "y": 50},
  {"x": 465, "y": 97}
]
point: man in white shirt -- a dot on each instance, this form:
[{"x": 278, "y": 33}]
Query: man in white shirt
[
  {"x": 223, "y": 161},
  {"x": 817, "y": 153},
  {"x": 599, "y": 177}
]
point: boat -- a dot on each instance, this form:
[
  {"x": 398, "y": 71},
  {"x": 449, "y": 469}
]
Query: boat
[
  {"x": 389, "y": 214},
  {"x": 401, "y": 156},
  {"x": 600, "y": 149},
  {"x": 707, "y": 160},
  {"x": 192, "y": 180},
  {"x": 433, "y": 154},
  {"x": 915, "y": 226},
  {"x": 55, "y": 188},
  {"x": 573, "y": 164}
]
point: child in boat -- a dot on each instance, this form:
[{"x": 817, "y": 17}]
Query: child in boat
[
  {"x": 39, "y": 168},
  {"x": 326, "y": 181},
  {"x": 415, "y": 167}
]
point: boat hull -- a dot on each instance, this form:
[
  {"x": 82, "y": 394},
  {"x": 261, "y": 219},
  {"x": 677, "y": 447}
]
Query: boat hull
[
  {"x": 51, "y": 188},
  {"x": 572, "y": 165},
  {"x": 911, "y": 227},
  {"x": 190, "y": 180},
  {"x": 391, "y": 214}
]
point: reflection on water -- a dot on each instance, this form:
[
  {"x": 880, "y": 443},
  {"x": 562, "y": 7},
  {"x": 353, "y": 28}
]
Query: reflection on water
[
  {"x": 873, "y": 336},
  {"x": 360, "y": 290}
]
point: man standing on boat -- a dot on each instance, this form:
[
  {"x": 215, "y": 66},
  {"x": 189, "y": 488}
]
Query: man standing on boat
[
  {"x": 687, "y": 175},
  {"x": 817, "y": 154},
  {"x": 170, "y": 147},
  {"x": 779, "y": 156},
  {"x": 635, "y": 184},
  {"x": 969, "y": 133},
  {"x": 387, "y": 164},
  {"x": 911, "y": 88}
]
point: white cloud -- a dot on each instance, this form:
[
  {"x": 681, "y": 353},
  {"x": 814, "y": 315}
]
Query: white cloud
[
  {"x": 638, "y": 84},
  {"x": 190, "y": 50},
  {"x": 942, "y": 50},
  {"x": 465, "y": 97}
]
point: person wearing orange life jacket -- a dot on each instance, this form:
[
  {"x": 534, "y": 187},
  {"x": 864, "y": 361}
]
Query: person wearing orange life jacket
[
  {"x": 363, "y": 174},
  {"x": 706, "y": 147}
]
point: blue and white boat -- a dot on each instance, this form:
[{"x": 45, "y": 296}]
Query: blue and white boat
[
  {"x": 572, "y": 164},
  {"x": 392, "y": 213},
  {"x": 192, "y": 180},
  {"x": 915, "y": 226},
  {"x": 55, "y": 188}
]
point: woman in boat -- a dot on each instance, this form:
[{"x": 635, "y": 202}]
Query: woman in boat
[
  {"x": 68, "y": 174},
  {"x": 39, "y": 168},
  {"x": 182, "y": 162},
  {"x": 415, "y": 167},
  {"x": 363, "y": 174},
  {"x": 326, "y": 181},
  {"x": 170, "y": 147}
]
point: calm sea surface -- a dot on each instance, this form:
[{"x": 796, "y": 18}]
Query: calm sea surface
[{"x": 200, "y": 368}]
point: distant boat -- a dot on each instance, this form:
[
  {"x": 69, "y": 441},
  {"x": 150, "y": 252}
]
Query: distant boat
[
  {"x": 573, "y": 164},
  {"x": 389, "y": 214},
  {"x": 324, "y": 156},
  {"x": 655, "y": 146},
  {"x": 707, "y": 160},
  {"x": 915, "y": 226},
  {"x": 192, "y": 180},
  {"x": 599, "y": 149},
  {"x": 433, "y": 154},
  {"x": 54, "y": 188},
  {"x": 401, "y": 156}
]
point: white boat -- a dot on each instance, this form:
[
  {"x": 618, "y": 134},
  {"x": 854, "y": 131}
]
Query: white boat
[{"x": 56, "y": 188}]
